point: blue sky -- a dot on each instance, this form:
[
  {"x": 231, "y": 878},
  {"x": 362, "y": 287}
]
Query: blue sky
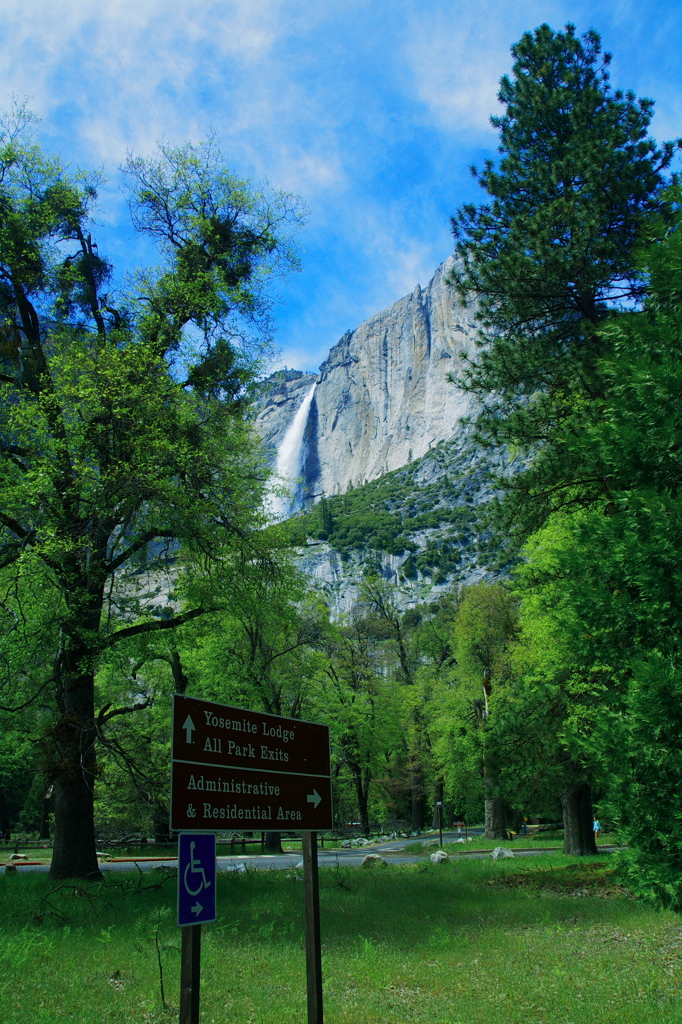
[{"x": 371, "y": 111}]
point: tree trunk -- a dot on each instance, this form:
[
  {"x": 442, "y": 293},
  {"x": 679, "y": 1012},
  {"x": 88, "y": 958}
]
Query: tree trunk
[
  {"x": 438, "y": 797},
  {"x": 74, "y": 766},
  {"x": 74, "y": 854},
  {"x": 161, "y": 827},
  {"x": 273, "y": 842},
  {"x": 416, "y": 775},
  {"x": 45, "y": 819},
  {"x": 496, "y": 819},
  {"x": 416, "y": 797},
  {"x": 362, "y": 793},
  {"x": 576, "y": 804},
  {"x": 495, "y": 810},
  {"x": 179, "y": 678},
  {"x": 4, "y": 814}
]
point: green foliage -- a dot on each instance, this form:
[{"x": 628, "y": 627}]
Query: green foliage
[
  {"x": 583, "y": 393},
  {"x": 363, "y": 709},
  {"x": 384, "y": 514},
  {"x": 602, "y": 591},
  {"x": 551, "y": 253},
  {"x": 112, "y": 467},
  {"x": 644, "y": 794},
  {"x": 221, "y": 236},
  {"x": 19, "y": 770},
  {"x": 133, "y": 784},
  {"x": 544, "y": 718},
  {"x": 483, "y": 630},
  {"x": 263, "y": 650}
]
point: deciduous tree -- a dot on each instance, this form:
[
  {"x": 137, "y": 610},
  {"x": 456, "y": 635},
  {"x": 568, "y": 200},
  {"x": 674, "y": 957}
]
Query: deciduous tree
[
  {"x": 122, "y": 444},
  {"x": 483, "y": 631}
]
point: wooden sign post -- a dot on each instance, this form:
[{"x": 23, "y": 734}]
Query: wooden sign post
[
  {"x": 235, "y": 768},
  {"x": 190, "y": 974},
  {"x": 313, "y": 948}
]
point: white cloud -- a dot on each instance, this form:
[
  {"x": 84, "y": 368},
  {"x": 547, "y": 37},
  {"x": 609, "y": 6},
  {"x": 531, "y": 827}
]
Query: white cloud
[
  {"x": 456, "y": 57},
  {"x": 122, "y": 78},
  {"x": 330, "y": 99},
  {"x": 128, "y": 71}
]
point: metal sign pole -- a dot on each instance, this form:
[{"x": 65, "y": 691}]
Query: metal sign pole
[
  {"x": 313, "y": 952},
  {"x": 190, "y": 974}
]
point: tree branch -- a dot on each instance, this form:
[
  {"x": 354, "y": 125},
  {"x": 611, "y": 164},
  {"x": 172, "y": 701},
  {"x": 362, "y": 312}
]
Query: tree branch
[
  {"x": 152, "y": 627},
  {"x": 150, "y": 535},
  {"x": 105, "y": 715},
  {"x": 21, "y": 707},
  {"x": 9, "y": 553},
  {"x": 16, "y": 527},
  {"x": 15, "y": 455}
]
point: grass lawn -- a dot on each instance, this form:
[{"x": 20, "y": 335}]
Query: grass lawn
[
  {"x": 552, "y": 941},
  {"x": 533, "y": 841}
]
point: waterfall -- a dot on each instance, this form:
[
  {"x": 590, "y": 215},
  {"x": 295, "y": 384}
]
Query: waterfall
[{"x": 290, "y": 459}]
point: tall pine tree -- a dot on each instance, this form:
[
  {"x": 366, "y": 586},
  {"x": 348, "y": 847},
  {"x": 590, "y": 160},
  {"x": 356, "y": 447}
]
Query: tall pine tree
[{"x": 552, "y": 253}]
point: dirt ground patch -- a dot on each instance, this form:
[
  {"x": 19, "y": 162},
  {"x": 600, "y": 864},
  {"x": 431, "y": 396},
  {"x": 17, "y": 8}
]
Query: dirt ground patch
[{"x": 592, "y": 879}]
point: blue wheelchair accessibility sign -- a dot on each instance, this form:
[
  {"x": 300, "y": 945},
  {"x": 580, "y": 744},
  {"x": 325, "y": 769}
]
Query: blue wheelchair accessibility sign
[{"x": 196, "y": 878}]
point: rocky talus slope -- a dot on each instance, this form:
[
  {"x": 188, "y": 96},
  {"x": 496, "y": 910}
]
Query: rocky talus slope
[{"x": 419, "y": 527}]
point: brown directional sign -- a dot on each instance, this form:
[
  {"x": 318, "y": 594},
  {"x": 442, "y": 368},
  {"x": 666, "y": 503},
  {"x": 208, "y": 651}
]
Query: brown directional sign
[{"x": 246, "y": 770}]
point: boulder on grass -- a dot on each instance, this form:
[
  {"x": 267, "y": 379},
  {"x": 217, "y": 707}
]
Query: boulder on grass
[
  {"x": 373, "y": 860},
  {"x": 499, "y": 853},
  {"x": 438, "y": 857}
]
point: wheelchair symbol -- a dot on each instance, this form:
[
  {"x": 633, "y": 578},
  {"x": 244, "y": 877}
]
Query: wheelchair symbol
[{"x": 194, "y": 868}]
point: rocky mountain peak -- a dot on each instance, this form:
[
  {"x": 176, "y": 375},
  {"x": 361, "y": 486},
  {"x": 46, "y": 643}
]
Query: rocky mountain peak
[{"x": 382, "y": 397}]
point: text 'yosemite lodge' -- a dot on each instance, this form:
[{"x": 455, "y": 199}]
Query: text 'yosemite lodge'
[{"x": 243, "y": 725}]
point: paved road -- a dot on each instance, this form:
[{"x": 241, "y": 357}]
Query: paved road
[
  {"x": 396, "y": 851},
  {"x": 274, "y": 862}
]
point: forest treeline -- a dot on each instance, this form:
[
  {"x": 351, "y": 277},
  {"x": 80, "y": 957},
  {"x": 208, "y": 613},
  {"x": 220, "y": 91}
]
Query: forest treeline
[{"x": 134, "y": 558}]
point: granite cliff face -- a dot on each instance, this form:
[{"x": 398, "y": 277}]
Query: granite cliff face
[{"x": 381, "y": 398}]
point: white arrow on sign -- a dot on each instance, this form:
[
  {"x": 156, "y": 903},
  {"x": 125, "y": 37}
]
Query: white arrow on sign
[
  {"x": 314, "y": 798},
  {"x": 197, "y": 908},
  {"x": 189, "y": 727}
]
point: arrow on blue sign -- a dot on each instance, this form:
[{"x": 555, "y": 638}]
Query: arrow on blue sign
[{"x": 196, "y": 878}]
